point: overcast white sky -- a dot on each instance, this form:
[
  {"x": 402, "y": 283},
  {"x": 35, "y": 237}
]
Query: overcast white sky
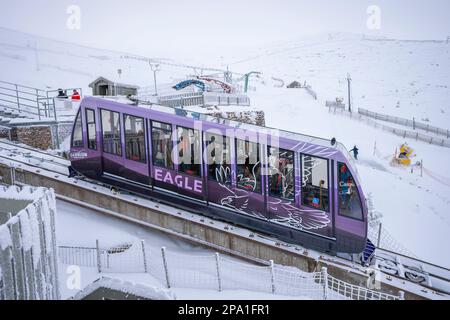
[{"x": 140, "y": 25}]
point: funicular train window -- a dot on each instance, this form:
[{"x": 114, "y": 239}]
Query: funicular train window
[
  {"x": 162, "y": 145},
  {"x": 315, "y": 182},
  {"x": 248, "y": 166},
  {"x": 281, "y": 173},
  {"x": 349, "y": 199},
  {"x": 91, "y": 129},
  {"x": 189, "y": 154},
  {"x": 111, "y": 132},
  {"x": 218, "y": 158},
  {"x": 134, "y": 138},
  {"x": 77, "y": 138}
]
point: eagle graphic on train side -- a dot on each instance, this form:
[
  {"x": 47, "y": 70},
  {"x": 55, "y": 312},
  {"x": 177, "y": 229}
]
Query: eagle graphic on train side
[
  {"x": 286, "y": 213},
  {"x": 305, "y": 219}
]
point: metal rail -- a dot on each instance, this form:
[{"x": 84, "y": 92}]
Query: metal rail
[
  {"x": 414, "y": 269},
  {"x": 30, "y": 101},
  {"x": 16, "y": 145},
  {"x": 425, "y": 274}
]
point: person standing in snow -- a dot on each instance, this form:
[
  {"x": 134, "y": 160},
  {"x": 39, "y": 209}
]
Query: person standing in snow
[{"x": 355, "y": 152}]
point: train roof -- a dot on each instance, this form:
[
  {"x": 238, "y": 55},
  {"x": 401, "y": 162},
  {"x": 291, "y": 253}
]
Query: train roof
[{"x": 196, "y": 114}]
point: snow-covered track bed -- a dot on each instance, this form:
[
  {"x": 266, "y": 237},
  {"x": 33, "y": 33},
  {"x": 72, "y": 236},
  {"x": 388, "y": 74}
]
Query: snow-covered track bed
[
  {"x": 33, "y": 157},
  {"x": 220, "y": 236}
]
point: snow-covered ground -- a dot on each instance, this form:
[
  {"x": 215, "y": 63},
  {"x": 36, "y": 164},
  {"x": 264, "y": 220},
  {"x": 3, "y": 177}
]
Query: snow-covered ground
[
  {"x": 415, "y": 209},
  {"x": 408, "y": 79},
  {"x": 73, "y": 221}
]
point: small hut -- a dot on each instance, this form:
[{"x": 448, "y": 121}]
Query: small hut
[{"x": 104, "y": 87}]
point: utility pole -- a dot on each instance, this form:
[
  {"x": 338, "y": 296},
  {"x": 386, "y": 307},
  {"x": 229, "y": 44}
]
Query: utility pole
[
  {"x": 155, "y": 68},
  {"x": 227, "y": 77},
  {"x": 246, "y": 78},
  {"x": 349, "y": 81}
]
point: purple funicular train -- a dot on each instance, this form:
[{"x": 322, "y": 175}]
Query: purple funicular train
[{"x": 297, "y": 188}]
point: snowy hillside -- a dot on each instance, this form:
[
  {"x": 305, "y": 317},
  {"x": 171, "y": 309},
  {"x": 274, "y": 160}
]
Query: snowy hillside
[
  {"x": 402, "y": 78},
  {"x": 49, "y": 64},
  {"x": 408, "y": 79}
]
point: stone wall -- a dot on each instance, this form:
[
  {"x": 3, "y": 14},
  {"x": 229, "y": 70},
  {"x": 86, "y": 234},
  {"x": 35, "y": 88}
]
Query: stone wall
[
  {"x": 4, "y": 133},
  {"x": 36, "y": 136},
  {"x": 64, "y": 130}
]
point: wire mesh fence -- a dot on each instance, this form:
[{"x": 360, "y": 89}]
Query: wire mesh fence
[
  {"x": 379, "y": 235},
  {"x": 384, "y": 240},
  {"x": 340, "y": 290},
  {"x": 236, "y": 275},
  {"x": 82, "y": 256},
  {"x": 127, "y": 258},
  {"x": 215, "y": 272},
  {"x": 291, "y": 282}
]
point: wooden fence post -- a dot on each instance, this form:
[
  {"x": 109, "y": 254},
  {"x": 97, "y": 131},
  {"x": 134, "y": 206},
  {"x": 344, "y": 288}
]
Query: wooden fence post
[
  {"x": 166, "y": 269},
  {"x": 325, "y": 283},
  {"x": 272, "y": 276},
  {"x": 421, "y": 167},
  {"x": 99, "y": 261},
  {"x": 219, "y": 279},
  {"x": 144, "y": 256}
]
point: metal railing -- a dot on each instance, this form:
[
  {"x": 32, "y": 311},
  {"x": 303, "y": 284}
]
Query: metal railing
[
  {"x": 212, "y": 98},
  {"x": 379, "y": 236},
  {"x": 182, "y": 100},
  {"x": 203, "y": 99},
  {"x": 216, "y": 272},
  {"x": 28, "y": 101}
]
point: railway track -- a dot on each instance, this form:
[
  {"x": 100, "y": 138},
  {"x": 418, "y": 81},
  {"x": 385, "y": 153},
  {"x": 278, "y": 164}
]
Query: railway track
[
  {"x": 392, "y": 265},
  {"x": 412, "y": 269}
]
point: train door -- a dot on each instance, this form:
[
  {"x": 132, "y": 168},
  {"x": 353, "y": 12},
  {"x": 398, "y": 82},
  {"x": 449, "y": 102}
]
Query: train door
[
  {"x": 113, "y": 162},
  {"x": 247, "y": 194},
  {"x": 93, "y": 163},
  {"x": 176, "y": 156},
  {"x": 135, "y": 162},
  {"x": 315, "y": 210},
  {"x": 350, "y": 224},
  {"x": 188, "y": 155},
  {"x": 217, "y": 166},
  {"x": 282, "y": 204}
]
